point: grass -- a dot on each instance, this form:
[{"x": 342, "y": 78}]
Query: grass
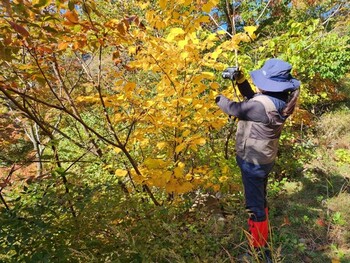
[{"x": 311, "y": 215}]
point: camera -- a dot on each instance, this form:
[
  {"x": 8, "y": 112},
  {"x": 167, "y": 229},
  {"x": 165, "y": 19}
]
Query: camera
[{"x": 231, "y": 73}]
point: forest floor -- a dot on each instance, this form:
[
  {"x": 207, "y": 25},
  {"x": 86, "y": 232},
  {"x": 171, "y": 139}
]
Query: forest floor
[{"x": 317, "y": 203}]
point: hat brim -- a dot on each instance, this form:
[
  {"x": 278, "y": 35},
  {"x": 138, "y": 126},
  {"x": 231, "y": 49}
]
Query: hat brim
[{"x": 266, "y": 84}]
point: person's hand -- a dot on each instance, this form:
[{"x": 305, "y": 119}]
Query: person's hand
[{"x": 233, "y": 73}]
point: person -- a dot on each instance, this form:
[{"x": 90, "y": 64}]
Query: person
[{"x": 261, "y": 117}]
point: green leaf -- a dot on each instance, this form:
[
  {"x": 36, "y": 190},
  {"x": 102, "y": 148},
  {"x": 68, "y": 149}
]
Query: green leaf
[
  {"x": 71, "y": 5},
  {"x": 42, "y": 3},
  {"x": 5, "y": 53}
]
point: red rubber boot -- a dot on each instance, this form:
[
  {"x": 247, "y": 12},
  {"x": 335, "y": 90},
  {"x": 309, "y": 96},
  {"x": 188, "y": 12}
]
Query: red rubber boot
[{"x": 259, "y": 232}]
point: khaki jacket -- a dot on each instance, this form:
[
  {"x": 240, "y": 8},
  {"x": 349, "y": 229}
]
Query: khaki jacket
[{"x": 257, "y": 142}]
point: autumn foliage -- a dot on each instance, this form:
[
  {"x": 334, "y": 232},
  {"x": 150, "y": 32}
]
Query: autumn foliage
[{"x": 152, "y": 81}]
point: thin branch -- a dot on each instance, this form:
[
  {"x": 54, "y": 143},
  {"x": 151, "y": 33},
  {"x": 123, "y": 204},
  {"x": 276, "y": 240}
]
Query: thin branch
[
  {"x": 12, "y": 170},
  {"x": 166, "y": 74},
  {"x": 25, "y": 110},
  {"x": 217, "y": 24},
  {"x": 262, "y": 12},
  {"x": 99, "y": 90},
  {"x": 64, "y": 87},
  {"x": 85, "y": 68},
  {"x": 333, "y": 14},
  {"x": 45, "y": 77},
  {"x": 234, "y": 33},
  {"x": 4, "y": 202},
  {"x": 131, "y": 127},
  {"x": 119, "y": 143},
  {"x": 29, "y": 115},
  {"x": 75, "y": 161}
]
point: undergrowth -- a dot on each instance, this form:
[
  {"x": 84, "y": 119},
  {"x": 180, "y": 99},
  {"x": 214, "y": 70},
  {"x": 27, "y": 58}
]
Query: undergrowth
[{"x": 309, "y": 214}]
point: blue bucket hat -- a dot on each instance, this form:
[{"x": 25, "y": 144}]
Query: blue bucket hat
[{"x": 275, "y": 76}]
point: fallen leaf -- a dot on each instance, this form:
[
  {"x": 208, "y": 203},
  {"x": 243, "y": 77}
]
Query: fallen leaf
[{"x": 286, "y": 221}]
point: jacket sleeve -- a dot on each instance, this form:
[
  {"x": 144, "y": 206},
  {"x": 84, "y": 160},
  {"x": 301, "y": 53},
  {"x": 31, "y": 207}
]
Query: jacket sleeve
[
  {"x": 245, "y": 89},
  {"x": 247, "y": 110}
]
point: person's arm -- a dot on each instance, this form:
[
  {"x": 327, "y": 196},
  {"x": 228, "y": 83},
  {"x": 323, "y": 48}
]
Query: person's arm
[
  {"x": 245, "y": 89},
  {"x": 246, "y": 110},
  {"x": 237, "y": 75}
]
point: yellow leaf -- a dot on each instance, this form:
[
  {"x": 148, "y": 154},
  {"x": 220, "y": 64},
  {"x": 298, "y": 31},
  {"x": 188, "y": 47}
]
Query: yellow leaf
[
  {"x": 184, "y": 55},
  {"x": 199, "y": 141},
  {"x": 185, "y": 100},
  {"x": 132, "y": 50},
  {"x": 155, "y": 163},
  {"x": 180, "y": 147},
  {"x": 182, "y": 43},
  {"x": 184, "y": 188},
  {"x": 215, "y": 85},
  {"x": 225, "y": 169},
  {"x": 176, "y": 15},
  {"x": 207, "y": 7},
  {"x": 221, "y": 32},
  {"x": 189, "y": 177},
  {"x": 178, "y": 172},
  {"x": 143, "y": 5},
  {"x": 174, "y": 32},
  {"x": 194, "y": 38},
  {"x": 216, "y": 53},
  {"x": 198, "y": 106},
  {"x": 62, "y": 46},
  {"x": 240, "y": 37},
  {"x": 117, "y": 150},
  {"x": 149, "y": 103},
  {"x": 144, "y": 142},
  {"x": 161, "y": 145},
  {"x": 223, "y": 179},
  {"x": 203, "y": 19},
  {"x": 162, "y": 179},
  {"x": 162, "y": 4},
  {"x": 208, "y": 75},
  {"x": 186, "y": 133},
  {"x": 160, "y": 24},
  {"x": 181, "y": 164},
  {"x": 172, "y": 185},
  {"x": 250, "y": 31},
  {"x": 121, "y": 97},
  {"x": 213, "y": 94},
  {"x": 129, "y": 87},
  {"x": 121, "y": 172},
  {"x": 119, "y": 82},
  {"x": 187, "y": 2}
]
